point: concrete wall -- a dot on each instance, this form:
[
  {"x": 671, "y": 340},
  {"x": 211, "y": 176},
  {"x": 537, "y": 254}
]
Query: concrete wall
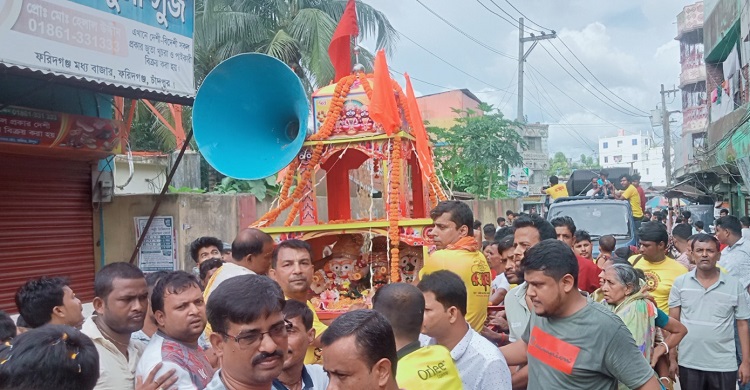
[
  {"x": 222, "y": 216},
  {"x": 195, "y": 215},
  {"x": 149, "y": 174}
]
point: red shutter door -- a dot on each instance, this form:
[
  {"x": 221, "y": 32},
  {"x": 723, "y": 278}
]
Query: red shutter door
[{"x": 46, "y": 224}]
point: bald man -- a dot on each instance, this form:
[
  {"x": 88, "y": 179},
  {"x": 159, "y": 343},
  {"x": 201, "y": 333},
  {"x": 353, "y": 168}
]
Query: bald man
[
  {"x": 251, "y": 254},
  {"x": 403, "y": 305}
]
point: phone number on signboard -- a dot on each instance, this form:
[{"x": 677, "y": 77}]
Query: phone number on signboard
[{"x": 81, "y": 38}]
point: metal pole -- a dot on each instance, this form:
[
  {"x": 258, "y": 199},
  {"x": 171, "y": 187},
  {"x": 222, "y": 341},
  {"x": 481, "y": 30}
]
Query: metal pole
[
  {"x": 160, "y": 197},
  {"x": 520, "y": 117},
  {"x": 667, "y": 136}
]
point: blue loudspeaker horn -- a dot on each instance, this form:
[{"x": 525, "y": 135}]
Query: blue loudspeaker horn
[{"x": 250, "y": 116}]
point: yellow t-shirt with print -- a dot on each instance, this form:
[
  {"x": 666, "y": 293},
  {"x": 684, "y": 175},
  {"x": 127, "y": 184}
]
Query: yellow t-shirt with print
[
  {"x": 660, "y": 277},
  {"x": 473, "y": 269},
  {"x": 557, "y": 191},
  {"x": 313, "y": 355},
  {"x": 631, "y": 194},
  {"x": 428, "y": 368}
]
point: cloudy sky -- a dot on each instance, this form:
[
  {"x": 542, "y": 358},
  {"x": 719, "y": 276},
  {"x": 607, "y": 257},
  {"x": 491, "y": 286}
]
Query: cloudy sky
[{"x": 627, "y": 44}]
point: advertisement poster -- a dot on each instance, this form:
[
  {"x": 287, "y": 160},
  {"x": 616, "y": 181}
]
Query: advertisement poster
[
  {"x": 24, "y": 126},
  {"x": 518, "y": 182},
  {"x": 158, "y": 252},
  {"x": 147, "y": 45}
]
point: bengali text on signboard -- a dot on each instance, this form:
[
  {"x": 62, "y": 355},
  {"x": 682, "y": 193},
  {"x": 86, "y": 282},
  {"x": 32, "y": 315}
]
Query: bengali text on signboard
[{"x": 140, "y": 44}]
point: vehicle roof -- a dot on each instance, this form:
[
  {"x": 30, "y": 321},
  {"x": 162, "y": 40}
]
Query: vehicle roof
[{"x": 586, "y": 199}]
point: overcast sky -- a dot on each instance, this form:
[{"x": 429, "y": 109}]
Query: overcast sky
[{"x": 627, "y": 44}]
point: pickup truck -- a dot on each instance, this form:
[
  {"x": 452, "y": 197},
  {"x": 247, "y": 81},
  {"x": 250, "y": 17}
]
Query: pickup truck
[{"x": 598, "y": 217}]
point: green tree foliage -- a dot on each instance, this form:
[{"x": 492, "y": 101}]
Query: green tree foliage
[
  {"x": 559, "y": 165},
  {"x": 474, "y": 155},
  {"x": 295, "y": 31}
]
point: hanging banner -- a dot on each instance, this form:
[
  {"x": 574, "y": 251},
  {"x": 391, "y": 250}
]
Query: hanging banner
[
  {"x": 45, "y": 129},
  {"x": 147, "y": 45},
  {"x": 158, "y": 252}
]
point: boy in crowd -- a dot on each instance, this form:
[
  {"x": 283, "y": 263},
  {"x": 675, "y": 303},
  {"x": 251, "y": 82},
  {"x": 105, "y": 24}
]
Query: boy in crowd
[
  {"x": 606, "y": 249},
  {"x": 583, "y": 246}
]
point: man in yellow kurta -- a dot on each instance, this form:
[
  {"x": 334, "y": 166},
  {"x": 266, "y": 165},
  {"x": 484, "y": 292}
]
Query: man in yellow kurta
[
  {"x": 292, "y": 269},
  {"x": 556, "y": 190},
  {"x": 460, "y": 253}
]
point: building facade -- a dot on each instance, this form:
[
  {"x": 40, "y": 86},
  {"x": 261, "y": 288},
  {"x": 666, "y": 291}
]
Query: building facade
[
  {"x": 693, "y": 86},
  {"x": 723, "y": 160},
  {"x": 637, "y": 152},
  {"x": 438, "y": 109},
  {"x": 536, "y": 157}
]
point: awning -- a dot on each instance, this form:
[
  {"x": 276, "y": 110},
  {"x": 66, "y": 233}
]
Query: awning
[{"x": 683, "y": 190}]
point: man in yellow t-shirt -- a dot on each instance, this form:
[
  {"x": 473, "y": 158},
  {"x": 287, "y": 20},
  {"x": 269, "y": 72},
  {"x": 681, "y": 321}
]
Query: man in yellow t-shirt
[
  {"x": 631, "y": 194},
  {"x": 556, "y": 190},
  {"x": 660, "y": 269},
  {"x": 460, "y": 253},
  {"x": 292, "y": 269},
  {"x": 419, "y": 368}
]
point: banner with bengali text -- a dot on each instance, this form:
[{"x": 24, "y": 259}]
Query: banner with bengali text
[
  {"x": 141, "y": 44},
  {"x": 45, "y": 129}
]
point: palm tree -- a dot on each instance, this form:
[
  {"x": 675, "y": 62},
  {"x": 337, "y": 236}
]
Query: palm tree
[{"x": 295, "y": 31}]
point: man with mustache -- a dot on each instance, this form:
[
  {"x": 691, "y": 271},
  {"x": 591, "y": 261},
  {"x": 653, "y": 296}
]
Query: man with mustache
[
  {"x": 250, "y": 334},
  {"x": 180, "y": 313},
  {"x": 292, "y": 269}
]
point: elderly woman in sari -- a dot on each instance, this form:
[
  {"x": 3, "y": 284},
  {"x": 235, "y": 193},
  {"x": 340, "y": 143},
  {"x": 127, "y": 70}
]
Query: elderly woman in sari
[{"x": 623, "y": 290}]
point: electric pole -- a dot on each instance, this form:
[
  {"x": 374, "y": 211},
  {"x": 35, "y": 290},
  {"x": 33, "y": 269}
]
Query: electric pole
[
  {"x": 522, "y": 58},
  {"x": 667, "y": 149}
]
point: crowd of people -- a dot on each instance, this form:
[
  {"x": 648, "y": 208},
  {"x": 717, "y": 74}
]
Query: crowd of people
[{"x": 553, "y": 317}]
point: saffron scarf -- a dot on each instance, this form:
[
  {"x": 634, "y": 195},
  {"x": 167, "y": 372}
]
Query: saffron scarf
[{"x": 465, "y": 243}]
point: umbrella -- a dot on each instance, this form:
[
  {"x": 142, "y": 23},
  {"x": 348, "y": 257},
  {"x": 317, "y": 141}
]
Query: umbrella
[{"x": 662, "y": 202}]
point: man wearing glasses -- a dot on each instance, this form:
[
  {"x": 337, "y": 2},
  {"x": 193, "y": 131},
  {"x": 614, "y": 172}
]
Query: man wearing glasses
[{"x": 250, "y": 334}]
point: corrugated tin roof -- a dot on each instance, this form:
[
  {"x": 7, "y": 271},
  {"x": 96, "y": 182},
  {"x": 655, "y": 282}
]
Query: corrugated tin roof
[{"x": 111, "y": 88}]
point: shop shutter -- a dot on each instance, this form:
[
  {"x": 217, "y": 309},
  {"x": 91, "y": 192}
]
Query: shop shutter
[{"x": 46, "y": 224}]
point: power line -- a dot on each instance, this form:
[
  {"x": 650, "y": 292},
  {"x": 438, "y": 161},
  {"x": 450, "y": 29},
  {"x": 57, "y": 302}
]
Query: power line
[
  {"x": 614, "y": 106},
  {"x": 569, "y": 130},
  {"x": 475, "y": 40},
  {"x": 522, "y": 14},
  {"x": 569, "y": 97},
  {"x": 421, "y": 81},
  {"x": 451, "y": 65},
  {"x": 596, "y": 78},
  {"x": 510, "y": 21}
]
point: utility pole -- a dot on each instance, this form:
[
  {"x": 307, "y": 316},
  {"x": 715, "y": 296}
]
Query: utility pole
[
  {"x": 522, "y": 58},
  {"x": 667, "y": 149}
]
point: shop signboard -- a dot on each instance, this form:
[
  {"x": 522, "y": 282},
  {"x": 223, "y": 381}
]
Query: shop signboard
[
  {"x": 145, "y": 45},
  {"x": 59, "y": 132}
]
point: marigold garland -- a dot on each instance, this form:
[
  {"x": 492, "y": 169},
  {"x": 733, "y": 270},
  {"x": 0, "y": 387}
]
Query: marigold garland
[
  {"x": 393, "y": 204},
  {"x": 334, "y": 111}
]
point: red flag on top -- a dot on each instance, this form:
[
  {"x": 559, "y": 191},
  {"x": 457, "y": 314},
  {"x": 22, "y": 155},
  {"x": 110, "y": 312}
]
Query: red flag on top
[
  {"x": 383, "y": 107},
  {"x": 340, "y": 48},
  {"x": 420, "y": 133}
]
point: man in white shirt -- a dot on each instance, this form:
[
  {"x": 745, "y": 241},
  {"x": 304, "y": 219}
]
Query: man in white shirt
[
  {"x": 121, "y": 298},
  {"x": 479, "y": 362},
  {"x": 497, "y": 253},
  {"x": 251, "y": 254},
  {"x": 180, "y": 313}
]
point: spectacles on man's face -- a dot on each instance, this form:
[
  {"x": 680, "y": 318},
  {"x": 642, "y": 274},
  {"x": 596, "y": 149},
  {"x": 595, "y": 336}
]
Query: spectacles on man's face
[{"x": 252, "y": 338}]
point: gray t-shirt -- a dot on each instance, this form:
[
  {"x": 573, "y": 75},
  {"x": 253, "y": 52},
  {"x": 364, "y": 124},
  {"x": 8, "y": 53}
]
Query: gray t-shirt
[{"x": 592, "y": 349}]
